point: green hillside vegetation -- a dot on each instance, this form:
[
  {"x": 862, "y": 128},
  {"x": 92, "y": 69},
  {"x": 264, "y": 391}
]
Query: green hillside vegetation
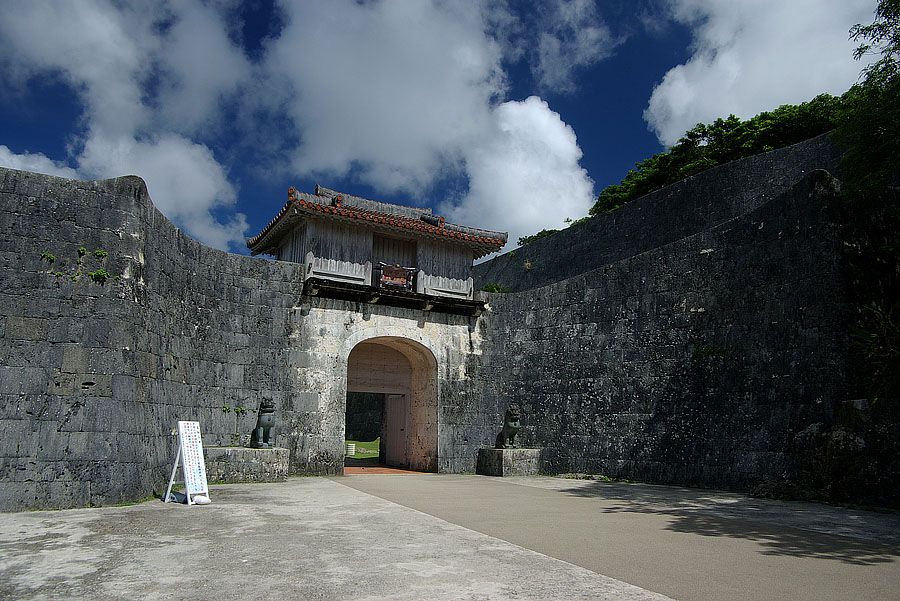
[
  {"x": 723, "y": 141},
  {"x": 865, "y": 121}
]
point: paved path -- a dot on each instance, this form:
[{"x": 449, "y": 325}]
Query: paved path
[
  {"x": 306, "y": 539},
  {"x": 688, "y": 544},
  {"x": 485, "y": 539}
]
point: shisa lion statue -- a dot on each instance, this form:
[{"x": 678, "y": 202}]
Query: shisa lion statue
[
  {"x": 509, "y": 435},
  {"x": 263, "y": 435}
]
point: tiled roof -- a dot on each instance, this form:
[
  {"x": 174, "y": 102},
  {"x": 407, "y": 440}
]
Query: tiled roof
[{"x": 333, "y": 206}]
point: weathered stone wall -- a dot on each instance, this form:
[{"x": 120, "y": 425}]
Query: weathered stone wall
[
  {"x": 699, "y": 362},
  {"x": 94, "y": 375},
  {"x": 439, "y": 347},
  {"x": 698, "y": 336},
  {"x": 678, "y": 211}
]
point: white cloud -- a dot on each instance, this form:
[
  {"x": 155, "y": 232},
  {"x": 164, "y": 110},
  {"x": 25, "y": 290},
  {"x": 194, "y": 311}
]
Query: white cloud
[
  {"x": 184, "y": 180},
  {"x": 524, "y": 174},
  {"x": 34, "y": 162},
  {"x": 399, "y": 93},
  {"x": 201, "y": 67},
  {"x": 96, "y": 48},
  {"x": 574, "y": 36},
  {"x": 391, "y": 89},
  {"x": 755, "y": 55},
  {"x": 113, "y": 55}
]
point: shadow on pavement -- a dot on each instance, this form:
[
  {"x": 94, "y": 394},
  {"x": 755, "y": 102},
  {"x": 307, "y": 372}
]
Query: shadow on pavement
[{"x": 781, "y": 528}]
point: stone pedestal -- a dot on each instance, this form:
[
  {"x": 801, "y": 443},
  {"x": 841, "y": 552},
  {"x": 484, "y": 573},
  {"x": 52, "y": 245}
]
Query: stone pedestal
[
  {"x": 508, "y": 462},
  {"x": 242, "y": 464}
]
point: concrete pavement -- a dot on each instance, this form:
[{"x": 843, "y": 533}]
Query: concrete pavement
[
  {"x": 308, "y": 538},
  {"x": 428, "y": 536},
  {"x": 689, "y": 544}
]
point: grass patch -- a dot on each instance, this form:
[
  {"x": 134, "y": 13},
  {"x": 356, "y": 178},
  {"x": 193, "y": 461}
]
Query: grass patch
[{"x": 366, "y": 449}]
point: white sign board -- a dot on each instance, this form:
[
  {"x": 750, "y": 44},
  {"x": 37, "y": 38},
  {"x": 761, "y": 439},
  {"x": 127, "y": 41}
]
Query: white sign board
[{"x": 190, "y": 456}]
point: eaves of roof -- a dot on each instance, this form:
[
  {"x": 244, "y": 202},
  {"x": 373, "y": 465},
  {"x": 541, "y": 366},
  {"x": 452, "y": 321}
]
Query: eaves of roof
[{"x": 296, "y": 208}]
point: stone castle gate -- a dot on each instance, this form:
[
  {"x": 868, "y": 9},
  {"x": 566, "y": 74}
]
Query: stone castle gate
[{"x": 697, "y": 336}]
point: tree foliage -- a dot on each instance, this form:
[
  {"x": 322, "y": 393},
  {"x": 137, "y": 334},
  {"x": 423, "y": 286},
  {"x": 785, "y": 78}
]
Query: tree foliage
[
  {"x": 870, "y": 124},
  {"x": 870, "y": 133},
  {"x": 723, "y": 141},
  {"x": 866, "y": 122}
]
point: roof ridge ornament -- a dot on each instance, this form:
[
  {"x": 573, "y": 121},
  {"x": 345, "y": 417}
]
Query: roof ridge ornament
[
  {"x": 291, "y": 193},
  {"x": 433, "y": 219}
]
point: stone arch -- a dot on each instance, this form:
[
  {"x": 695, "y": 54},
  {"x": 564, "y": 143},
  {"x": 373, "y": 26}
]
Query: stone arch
[{"x": 406, "y": 372}]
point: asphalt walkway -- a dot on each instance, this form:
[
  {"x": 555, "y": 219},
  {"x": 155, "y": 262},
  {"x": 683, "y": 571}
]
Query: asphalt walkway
[{"x": 427, "y": 536}]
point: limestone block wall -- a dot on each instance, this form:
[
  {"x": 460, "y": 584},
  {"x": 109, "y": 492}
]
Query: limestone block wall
[
  {"x": 438, "y": 346},
  {"x": 94, "y": 371},
  {"x": 677, "y": 211},
  {"x": 698, "y": 337},
  {"x": 699, "y": 362},
  {"x": 97, "y": 369}
]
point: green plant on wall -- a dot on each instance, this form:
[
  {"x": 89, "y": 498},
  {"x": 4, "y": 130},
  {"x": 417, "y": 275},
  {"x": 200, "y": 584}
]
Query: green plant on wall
[
  {"x": 236, "y": 437},
  {"x": 100, "y": 276},
  {"x": 496, "y": 288},
  {"x": 704, "y": 351}
]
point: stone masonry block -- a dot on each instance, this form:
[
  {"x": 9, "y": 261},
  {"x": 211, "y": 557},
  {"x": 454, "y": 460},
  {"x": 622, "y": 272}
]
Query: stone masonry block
[
  {"x": 240, "y": 464},
  {"x": 508, "y": 462},
  {"x": 26, "y": 328}
]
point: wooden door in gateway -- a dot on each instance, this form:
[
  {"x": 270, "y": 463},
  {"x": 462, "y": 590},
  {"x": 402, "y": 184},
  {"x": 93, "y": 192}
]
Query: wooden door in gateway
[{"x": 396, "y": 428}]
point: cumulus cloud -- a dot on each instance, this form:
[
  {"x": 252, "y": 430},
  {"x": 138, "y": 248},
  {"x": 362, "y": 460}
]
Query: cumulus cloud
[
  {"x": 201, "y": 68},
  {"x": 184, "y": 179},
  {"x": 35, "y": 162},
  {"x": 392, "y": 90},
  {"x": 138, "y": 68},
  {"x": 755, "y": 55},
  {"x": 400, "y": 94},
  {"x": 524, "y": 174}
]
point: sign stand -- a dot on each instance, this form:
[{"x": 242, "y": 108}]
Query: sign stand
[{"x": 190, "y": 456}]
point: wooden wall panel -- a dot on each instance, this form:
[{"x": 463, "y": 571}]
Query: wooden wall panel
[{"x": 393, "y": 251}]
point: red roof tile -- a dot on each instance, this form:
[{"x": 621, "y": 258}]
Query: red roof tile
[{"x": 484, "y": 240}]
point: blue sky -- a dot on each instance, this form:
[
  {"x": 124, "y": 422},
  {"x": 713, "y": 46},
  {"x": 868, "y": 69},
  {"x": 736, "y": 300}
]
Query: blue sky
[{"x": 510, "y": 116}]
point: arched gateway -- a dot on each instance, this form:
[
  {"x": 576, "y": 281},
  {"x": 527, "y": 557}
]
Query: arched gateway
[
  {"x": 387, "y": 294},
  {"x": 405, "y": 373}
]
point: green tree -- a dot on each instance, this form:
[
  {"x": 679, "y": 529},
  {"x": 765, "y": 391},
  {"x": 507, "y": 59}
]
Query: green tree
[
  {"x": 870, "y": 132},
  {"x": 870, "y": 123}
]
